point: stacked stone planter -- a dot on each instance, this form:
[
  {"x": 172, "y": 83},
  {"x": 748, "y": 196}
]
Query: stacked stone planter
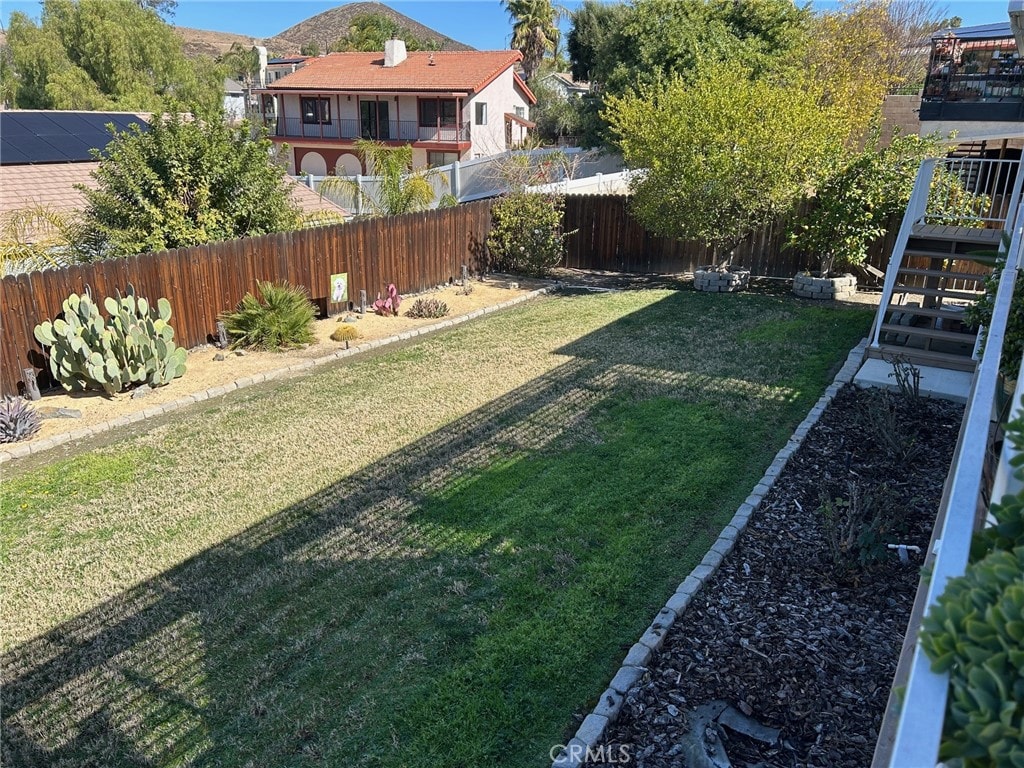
[
  {"x": 721, "y": 281},
  {"x": 809, "y": 287}
]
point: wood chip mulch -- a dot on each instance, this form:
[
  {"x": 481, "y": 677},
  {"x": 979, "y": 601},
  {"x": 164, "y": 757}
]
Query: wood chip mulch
[{"x": 787, "y": 633}]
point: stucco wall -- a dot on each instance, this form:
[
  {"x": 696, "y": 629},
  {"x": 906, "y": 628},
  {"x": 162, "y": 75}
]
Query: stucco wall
[{"x": 501, "y": 96}]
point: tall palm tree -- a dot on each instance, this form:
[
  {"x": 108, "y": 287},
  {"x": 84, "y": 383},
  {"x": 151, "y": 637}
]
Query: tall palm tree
[{"x": 534, "y": 30}]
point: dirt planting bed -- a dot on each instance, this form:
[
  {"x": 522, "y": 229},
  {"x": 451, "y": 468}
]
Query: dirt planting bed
[{"x": 794, "y": 641}]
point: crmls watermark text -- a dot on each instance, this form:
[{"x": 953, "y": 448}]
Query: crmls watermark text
[{"x": 605, "y": 754}]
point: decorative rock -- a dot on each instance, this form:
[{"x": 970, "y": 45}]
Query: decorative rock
[
  {"x": 713, "y": 280},
  {"x": 48, "y": 412},
  {"x": 240, "y": 353},
  {"x": 348, "y": 318},
  {"x": 140, "y": 391},
  {"x": 809, "y": 287},
  {"x": 219, "y": 357}
]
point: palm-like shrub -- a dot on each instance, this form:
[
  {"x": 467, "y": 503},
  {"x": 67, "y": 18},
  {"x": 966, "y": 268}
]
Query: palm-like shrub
[{"x": 282, "y": 317}]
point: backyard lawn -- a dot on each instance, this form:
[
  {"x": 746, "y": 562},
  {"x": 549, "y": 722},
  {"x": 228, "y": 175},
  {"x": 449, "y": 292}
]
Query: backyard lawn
[{"x": 432, "y": 556}]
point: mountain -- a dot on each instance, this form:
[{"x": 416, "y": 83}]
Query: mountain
[
  {"x": 205, "y": 42},
  {"x": 326, "y": 27}
]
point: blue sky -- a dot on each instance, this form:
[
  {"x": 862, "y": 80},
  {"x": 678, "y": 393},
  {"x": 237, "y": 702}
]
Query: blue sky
[{"x": 482, "y": 24}]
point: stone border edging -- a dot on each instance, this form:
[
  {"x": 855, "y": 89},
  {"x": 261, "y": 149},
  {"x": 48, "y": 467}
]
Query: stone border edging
[
  {"x": 591, "y": 731},
  {"x": 17, "y": 451}
]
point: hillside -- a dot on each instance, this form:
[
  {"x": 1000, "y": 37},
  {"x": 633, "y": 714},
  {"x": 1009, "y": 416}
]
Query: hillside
[
  {"x": 205, "y": 42},
  {"x": 326, "y": 27}
]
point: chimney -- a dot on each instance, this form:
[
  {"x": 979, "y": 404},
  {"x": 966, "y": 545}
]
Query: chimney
[{"x": 394, "y": 52}]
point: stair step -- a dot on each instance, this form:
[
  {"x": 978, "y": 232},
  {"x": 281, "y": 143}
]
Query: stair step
[
  {"x": 930, "y": 333},
  {"x": 923, "y": 357},
  {"x": 925, "y": 312},
  {"x": 937, "y": 292},
  {"x": 942, "y": 255},
  {"x": 946, "y": 233},
  {"x": 943, "y": 274}
]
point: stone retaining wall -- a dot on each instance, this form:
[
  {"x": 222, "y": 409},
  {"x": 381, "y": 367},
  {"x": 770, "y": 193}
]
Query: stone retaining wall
[
  {"x": 809, "y": 287},
  {"x": 714, "y": 281}
]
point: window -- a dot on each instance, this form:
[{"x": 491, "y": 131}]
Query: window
[
  {"x": 437, "y": 159},
  {"x": 481, "y": 113},
  {"x": 374, "y": 120},
  {"x": 521, "y": 112},
  {"x": 316, "y": 110},
  {"x": 434, "y": 112}
]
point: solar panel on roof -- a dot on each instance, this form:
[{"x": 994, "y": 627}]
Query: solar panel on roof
[{"x": 57, "y": 137}]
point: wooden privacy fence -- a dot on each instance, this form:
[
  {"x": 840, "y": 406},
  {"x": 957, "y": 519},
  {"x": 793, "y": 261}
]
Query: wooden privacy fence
[
  {"x": 609, "y": 238},
  {"x": 416, "y": 252}
]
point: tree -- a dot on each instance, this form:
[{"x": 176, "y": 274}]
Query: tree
[
  {"x": 723, "y": 154},
  {"x": 104, "y": 54},
  {"x": 593, "y": 25},
  {"x": 185, "y": 182},
  {"x": 163, "y": 7},
  {"x": 865, "y": 49},
  {"x": 401, "y": 189},
  {"x": 555, "y": 115},
  {"x": 661, "y": 38},
  {"x": 534, "y": 31},
  {"x": 369, "y": 32},
  {"x": 310, "y": 49},
  {"x": 242, "y": 62}
]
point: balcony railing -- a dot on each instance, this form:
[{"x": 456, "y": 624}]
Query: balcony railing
[
  {"x": 388, "y": 130},
  {"x": 974, "y": 80}
]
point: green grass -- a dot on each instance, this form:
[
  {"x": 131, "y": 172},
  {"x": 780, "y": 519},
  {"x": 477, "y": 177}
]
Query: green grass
[{"x": 434, "y": 556}]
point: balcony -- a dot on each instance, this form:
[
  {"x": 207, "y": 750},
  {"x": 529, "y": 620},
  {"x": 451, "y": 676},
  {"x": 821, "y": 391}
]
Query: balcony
[
  {"x": 973, "y": 79},
  {"x": 404, "y": 131}
]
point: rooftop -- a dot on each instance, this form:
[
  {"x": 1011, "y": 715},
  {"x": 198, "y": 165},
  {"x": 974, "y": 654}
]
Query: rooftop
[{"x": 446, "y": 71}]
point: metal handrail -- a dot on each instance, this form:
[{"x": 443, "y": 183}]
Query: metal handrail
[
  {"x": 915, "y": 210},
  {"x": 919, "y": 730}
]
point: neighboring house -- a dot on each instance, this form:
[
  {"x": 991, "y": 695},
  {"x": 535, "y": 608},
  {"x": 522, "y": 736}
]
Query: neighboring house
[
  {"x": 44, "y": 155},
  {"x": 234, "y": 100},
  {"x": 563, "y": 84},
  {"x": 449, "y": 105},
  {"x": 974, "y": 84}
]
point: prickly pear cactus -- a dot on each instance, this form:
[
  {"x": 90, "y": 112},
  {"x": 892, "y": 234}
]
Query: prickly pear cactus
[{"x": 134, "y": 345}]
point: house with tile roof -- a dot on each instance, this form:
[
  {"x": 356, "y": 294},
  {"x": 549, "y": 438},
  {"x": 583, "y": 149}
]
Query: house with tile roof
[{"x": 448, "y": 105}]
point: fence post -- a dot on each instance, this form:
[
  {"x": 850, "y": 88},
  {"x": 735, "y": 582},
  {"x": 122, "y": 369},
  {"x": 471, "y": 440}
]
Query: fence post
[
  {"x": 456, "y": 181},
  {"x": 359, "y": 194}
]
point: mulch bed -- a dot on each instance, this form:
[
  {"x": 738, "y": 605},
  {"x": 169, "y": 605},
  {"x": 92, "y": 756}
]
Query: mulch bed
[{"x": 790, "y": 632}]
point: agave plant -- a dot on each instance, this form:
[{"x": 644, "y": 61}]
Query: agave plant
[{"x": 18, "y": 420}]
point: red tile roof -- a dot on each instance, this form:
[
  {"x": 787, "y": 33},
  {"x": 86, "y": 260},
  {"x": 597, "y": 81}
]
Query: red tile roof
[{"x": 458, "y": 71}]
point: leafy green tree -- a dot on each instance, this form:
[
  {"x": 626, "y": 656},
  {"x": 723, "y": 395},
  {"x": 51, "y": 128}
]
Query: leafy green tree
[
  {"x": 310, "y": 49},
  {"x": 661, "y": 38},
  {"x": 185, "y": 182},
  {"x": 555, "y": 115},
  {"x": 401, "y": 189},
  {"x": 369, "y": 32},
  {"x": 241, "y": 62},
  {"x": 593, "y": 26},
  {"x": 534, "y": 31},
  {"x": 104, "y": 54},
  {"x": 723, "y": 154}
]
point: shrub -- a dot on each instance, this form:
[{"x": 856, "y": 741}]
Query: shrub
[
  {"x": 980, "y": 314},
  {"x": 857, "y": 529},
  {"x": 427, "y": 308},
  {"x": 388, "y": 307},
  {"x": 18, "y": 420},
  {"x": 281, "y": 318},
  {"x": 134, "y": 345},
  {"x": 526, "y": 234}
]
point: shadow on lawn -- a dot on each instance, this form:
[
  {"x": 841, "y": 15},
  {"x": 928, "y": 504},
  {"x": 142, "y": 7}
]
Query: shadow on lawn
[{"x": 265, "y": 648}]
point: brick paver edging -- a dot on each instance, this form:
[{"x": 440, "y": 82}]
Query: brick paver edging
[
  {"x": 16, "y": 451},
  {"x": 634, "y": 665}
]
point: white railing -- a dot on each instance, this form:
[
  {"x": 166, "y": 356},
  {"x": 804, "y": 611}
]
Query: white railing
[
  {"x": 919, "y": 727},
  {"x": 977, "y": 192},
  {"x": 915, "y": 212}
]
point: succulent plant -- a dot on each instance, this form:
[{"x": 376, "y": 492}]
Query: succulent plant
[
  {"x": 18, "y": 420},
  {"x": 389, "y": 306},
  {"x": 427, "y": 308},
  {"x": 345, "y": 332},
  {"x": 134, "y": 345}
]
